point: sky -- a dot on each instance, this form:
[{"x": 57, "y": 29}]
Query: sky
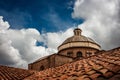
[
  {"x": 31, "y": 29},
  {"x": 39, "y": 14}
]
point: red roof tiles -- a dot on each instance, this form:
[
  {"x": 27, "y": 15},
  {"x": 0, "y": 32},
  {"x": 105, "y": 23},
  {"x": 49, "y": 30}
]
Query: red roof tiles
[
  {"x": 104, "y": 66},
  {"x": 9, "y": 73}
]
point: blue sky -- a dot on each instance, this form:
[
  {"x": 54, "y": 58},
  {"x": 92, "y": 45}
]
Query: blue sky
[
  {"x": 31, "y": 29},
  {"x": 33, "y": 26},
  {"x": 46, "y": 15}
]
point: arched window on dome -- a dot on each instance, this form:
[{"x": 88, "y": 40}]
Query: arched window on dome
[
  {"x": 70, "y": 53},
  {"x": 42, "y": 68},
  {"x": 79, "y": 54}
]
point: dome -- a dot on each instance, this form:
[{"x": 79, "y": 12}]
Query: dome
[{"x": 78, "y": 40}]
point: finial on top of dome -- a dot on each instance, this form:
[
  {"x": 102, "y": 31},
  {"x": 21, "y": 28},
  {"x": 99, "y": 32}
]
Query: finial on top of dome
[{"x": 77, "y": 31}]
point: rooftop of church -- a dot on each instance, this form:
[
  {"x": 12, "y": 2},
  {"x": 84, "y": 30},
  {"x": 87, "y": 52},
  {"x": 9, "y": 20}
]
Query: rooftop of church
[{"x": 103, "y": 66}]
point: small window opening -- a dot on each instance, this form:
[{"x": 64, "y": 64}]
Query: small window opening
[
  {"x": 42, "y": 68},
  {"x": 70, "y": 54},
  {"x": 79, "y": 54}
]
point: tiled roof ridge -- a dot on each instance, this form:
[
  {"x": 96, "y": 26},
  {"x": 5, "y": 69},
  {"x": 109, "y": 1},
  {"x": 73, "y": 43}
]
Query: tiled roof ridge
[
  {"x": 11, "y": 73},
  {"x": 103, "y": 66},
  {"x": 17, "y": 68}
]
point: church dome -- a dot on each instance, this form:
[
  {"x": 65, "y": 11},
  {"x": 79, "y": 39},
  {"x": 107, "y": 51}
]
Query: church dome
[{"x": 78, "y": 40}]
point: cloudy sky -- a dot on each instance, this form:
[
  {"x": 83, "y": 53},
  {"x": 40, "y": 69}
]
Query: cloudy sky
[{"x": 32, "y": 29}]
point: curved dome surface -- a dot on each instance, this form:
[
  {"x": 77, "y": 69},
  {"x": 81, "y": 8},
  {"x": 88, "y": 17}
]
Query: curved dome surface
[{"x": 78, "y": 40}]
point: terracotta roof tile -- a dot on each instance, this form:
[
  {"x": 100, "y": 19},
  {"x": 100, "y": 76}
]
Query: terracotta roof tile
[
  {"x": 104, "y": 66},
  {"x": 9, "y": 73}
]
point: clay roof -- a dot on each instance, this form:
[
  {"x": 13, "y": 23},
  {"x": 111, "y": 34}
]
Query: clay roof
[
  {"x": 105, "y": 66},
  {"x": 10, "y": 73}
]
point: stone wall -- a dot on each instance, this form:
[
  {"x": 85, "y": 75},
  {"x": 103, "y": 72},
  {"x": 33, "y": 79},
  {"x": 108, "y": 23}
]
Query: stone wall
[
  {"x": 49, "y": 62},
  {"x": 79, "y": 44},
  {"x": 62, "y": 57},
  {"x": 42, "y": 64},
  {"x": 84, "y": 50},
  {"x": 60, "y": 60},
  {"x": 37, "y": 65}
]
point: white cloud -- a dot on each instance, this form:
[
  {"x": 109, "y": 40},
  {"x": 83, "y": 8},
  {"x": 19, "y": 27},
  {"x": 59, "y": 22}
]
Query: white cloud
[
  {"x": 18, "y": 47},
  {"x": 3, "y": 25},
  {"x": 8, "y": 54},
  {"x": 101, "y": 20},
  {"x": 54, "y": 39}
]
